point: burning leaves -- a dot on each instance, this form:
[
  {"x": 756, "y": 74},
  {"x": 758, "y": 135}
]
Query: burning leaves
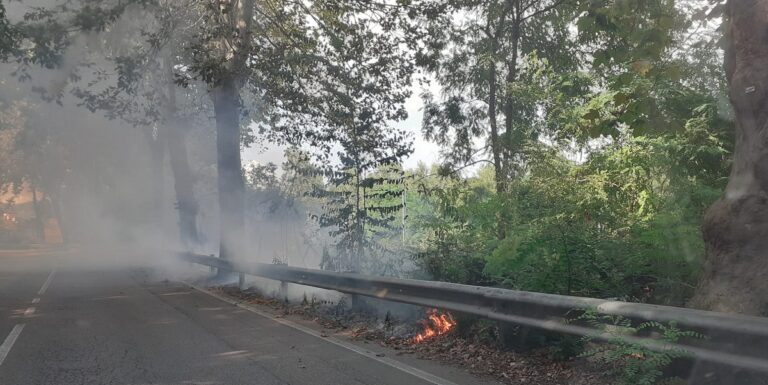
[{"x": 435, "y": 324}]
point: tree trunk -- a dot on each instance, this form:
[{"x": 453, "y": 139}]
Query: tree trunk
[
  {"x": 357, "y": 246},
  {"x": 498, "y": 172},
  {"x": 225, "y": 95},
  {"x": 157, "y": 156},
  {"x": 496, "y": 143},
  {"x": 39, "y": 225},
  {"x": 184, "y": 183},
  {"x": 56, "y": 207},
  {"x": 495, "y": 140},
  {"x": 736, "y": 226},
  {"x": 226, "y": 105},
  {"x": 510, "y": 146},
  {"x": 183, "y": 179},
  {"x": 507, "y": 149}
]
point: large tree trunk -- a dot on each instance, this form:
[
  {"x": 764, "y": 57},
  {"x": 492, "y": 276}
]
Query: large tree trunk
[
  {"x": 736, "y": 226},
  {"x": 39, "y": 224},
  {"x": 226, "y": 104},
  {"x": 359, "y": 246},
  {"x": 157, "y": 156},
  {"x": 498, "y": 172},
  {"x": 496, "y": 141},
  {"x": 511, "y": 147},
  {"x": 55, "y": 197},
  {"x": 225, "y": 95},
  {"x": 184, "y": 183},
  {"x": 183, "y": 179}
]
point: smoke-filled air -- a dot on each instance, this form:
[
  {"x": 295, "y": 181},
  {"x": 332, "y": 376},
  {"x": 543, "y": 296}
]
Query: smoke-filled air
[{"x": 418, "y": 173}]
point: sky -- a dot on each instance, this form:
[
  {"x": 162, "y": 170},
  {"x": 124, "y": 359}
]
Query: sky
[{"x": 424, "y": 151}]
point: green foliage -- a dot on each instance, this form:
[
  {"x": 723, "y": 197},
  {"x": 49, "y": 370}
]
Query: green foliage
[
  {"x": 611, "y": 174},
  {"x": 9, "y": 36},
  {"x": 624, "y": 223},
  {"x": 361, "y": 211},
  {"x": 451, "y": 224},
  {"x": 619, "y": 219},
  {"x": 582, "y": 140},
  {"x": 634, "y": 363},
  {"x": 492, "y": 68}
]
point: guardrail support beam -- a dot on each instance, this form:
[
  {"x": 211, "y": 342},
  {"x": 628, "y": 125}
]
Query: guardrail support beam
[{"x": 283, "y": 293}]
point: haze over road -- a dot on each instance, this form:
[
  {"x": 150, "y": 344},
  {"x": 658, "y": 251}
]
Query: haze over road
[{"x": 63, "y": 326}]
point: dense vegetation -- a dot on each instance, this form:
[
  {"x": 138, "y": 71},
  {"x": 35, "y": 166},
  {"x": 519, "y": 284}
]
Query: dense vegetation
[
  {"x": 617, "y": 140},
  {"x": 582, "y": 140}
]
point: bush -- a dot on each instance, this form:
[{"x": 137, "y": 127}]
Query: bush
[{"x": 634, "y": 364}]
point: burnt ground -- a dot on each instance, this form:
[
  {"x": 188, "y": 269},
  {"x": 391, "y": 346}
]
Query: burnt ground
[{"x": 475, "y": 350}]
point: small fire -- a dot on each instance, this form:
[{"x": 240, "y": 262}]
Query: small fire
[{"x": 436, "y": 324}]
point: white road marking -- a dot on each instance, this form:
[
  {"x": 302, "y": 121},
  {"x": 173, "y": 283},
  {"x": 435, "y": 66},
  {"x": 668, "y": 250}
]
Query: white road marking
[
  {"x": 47, "y": 283},
  {"x": 428, "y": 377},
  {"x": 5, "y": 348}
]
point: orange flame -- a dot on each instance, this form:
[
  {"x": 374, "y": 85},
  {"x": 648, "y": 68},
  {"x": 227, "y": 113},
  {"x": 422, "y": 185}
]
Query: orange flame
[{"x": 436, "y": 324}]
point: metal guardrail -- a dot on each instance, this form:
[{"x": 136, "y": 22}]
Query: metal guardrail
[{"x": 735, "y": 340}]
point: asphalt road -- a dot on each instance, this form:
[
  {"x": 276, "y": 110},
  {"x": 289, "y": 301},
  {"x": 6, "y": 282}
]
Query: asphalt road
[{"x": 64, "y": 326}]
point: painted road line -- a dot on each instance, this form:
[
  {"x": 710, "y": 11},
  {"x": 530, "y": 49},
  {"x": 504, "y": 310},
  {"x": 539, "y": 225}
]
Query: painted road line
[
  {"x": 426, "y": 376},
  {"x": 29, "y": 312},
  {"x": 36, "y": 300},
  {"x": 5, "y": 348},
  {"x": 47, "y": 283}
]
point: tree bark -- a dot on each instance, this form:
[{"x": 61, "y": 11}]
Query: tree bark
[
  {"x": 157, "y": 156},
  {"x": 735, "y": 227},
  {"x": 56, "y": 207},
  {"x": 225, "y": 95},
  {"x": 509, "y": 107},
  {"x": 359, "y": 248},
  {"x": 183, "y": 179},
  {"x": 498, "y": 167},
  {"x": 184, "y": 183},
  {"x": 39, "y": 225},
  {"x": 496, "y": 141},
  {"x": 226, "y": 105}
]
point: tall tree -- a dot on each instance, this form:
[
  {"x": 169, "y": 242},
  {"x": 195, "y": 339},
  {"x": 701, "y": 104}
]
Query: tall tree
[
  {"x": 360, "y": 205},
  {"x": 233, "y": 47},
  {"x": 125, "y": 72},
  {"x": 736, "y": 226},
  {"x": 34, "y": 158},
  {"x": 316, "y": 72},
  {"x": 481, "y": 65},
  {"x": 131, "y": 77},
  {"x": 9, "y": 36}
]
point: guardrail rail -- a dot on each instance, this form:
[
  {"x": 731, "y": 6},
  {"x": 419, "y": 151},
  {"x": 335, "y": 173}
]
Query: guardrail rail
[{"x": 735, "y": 340}]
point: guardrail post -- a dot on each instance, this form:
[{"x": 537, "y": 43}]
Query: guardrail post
[
  {"x": 515, "y": 336},
  {"x": 241, "y": 281},
  {"x": 283, "y": 291},
  {"x": 355, "y": 302}
]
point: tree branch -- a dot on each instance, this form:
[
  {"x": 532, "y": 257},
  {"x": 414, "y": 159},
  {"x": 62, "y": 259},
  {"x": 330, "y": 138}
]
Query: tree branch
[{"x": 544, "y": 10}]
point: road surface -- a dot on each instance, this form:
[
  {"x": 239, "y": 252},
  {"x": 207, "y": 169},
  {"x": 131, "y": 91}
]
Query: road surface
[{"x": 62, "y": 325}]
